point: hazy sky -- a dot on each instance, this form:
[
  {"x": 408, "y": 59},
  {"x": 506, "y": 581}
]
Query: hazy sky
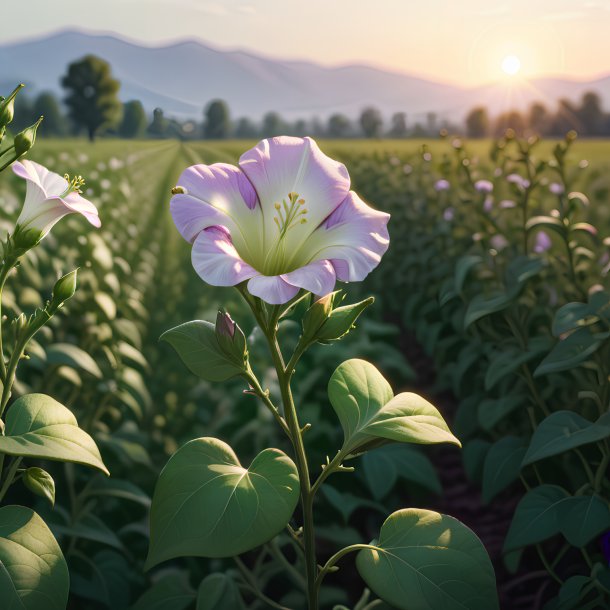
[{"x": 456, "y": 41}]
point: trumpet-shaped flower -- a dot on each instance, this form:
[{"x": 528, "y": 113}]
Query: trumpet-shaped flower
[
  {"x": 283, "y": 220},
  {"x": 49, "y": 197}
]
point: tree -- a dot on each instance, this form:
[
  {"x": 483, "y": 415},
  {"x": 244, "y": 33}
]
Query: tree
[
  {"x": 591, "y": 114},
  {"x": 539, "y": 120},
  {"x": 273, "y": 125},
  {"x": 510, "y": 120},
  {"x": 399, "y": 125},
  {"x": 245, "y": 129},
  {"x": 371, "y": 122},
  {"x": 134, "y": 120},
  {"x": 477, "y": 123},
  {"x": 217, "y": 122},
  {"x": 54, "y": 123},
  {"x": 159, "y": 126},
  {"x": 565, "y": 119},
  {"x": 338, "y": 126},
  {"x": 92, "y": 95}
]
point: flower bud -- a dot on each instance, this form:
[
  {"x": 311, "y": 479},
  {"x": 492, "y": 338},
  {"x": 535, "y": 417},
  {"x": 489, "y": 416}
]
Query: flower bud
[
  {"x": 7, "y": 108},
  {"x": 25, "y": 139},
  {"x": 64, "y": 288},
  {"x": 318, "y": 313},
  {"x": 231, "y": 338}
]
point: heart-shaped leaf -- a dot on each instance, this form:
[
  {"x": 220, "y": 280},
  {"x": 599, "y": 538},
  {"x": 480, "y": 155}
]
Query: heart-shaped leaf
[
  {"x": 219, "y": 591},
  {"x": 428, "y": 561},
  {"x": 40, "y": 482},
  {"x": 206, "y": 504},
  {"x": 33, "y": 571},
  {"x": 502, "y": 465},
  {"x": 562, "y": 431},
  {"x": 40, "y": 427},
  {"x": 171, "y": 592},
  {"x": 198, "y": 348},
  {"x": 582, "y": 518},
  {"x": 371, "y": 415}
]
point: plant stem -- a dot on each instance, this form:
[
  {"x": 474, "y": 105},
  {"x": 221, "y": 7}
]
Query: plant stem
[
  {"x": 10, "y": 475},
  {"x": 330, "y": 564}
]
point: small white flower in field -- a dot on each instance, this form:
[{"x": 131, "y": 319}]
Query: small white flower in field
[
  {"x": 441, "y": 185},
  {"x": 64, "y": 156},
  {"x": 518, "y": 180},
  {"x": 555, "y": 213},
  {"x": 115, "y": 163},
  {"x": 283, "y": 220},
  {"x": 448, "y": 214},
  {"x": 395, "y": 161},
  {"x": 583, "y": 164},
  {"x": 542, "y": 243},
  {"x": 49, "y": 197},
  {"x": 483, "y": 186},
  {"x": 476, "y": 237},
  {"x": 456, "y": 143},
  {"x": 498, "y": 172},
  {"x": 105, "y": 184},
  {"x": 499, "y": 242},
  {"x": 488, "y": 204},
  {"x": 101, "y": 166},
  {"x": 407, "y": 169},
  {"x": 556, "y": 188},
  {"x": 83, "y": 158},
  {"x": 507, "y": 204},
  {"x": 427, "y": 157}
]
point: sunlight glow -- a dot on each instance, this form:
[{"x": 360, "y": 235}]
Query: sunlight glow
[{"x": 511, "y": 64}]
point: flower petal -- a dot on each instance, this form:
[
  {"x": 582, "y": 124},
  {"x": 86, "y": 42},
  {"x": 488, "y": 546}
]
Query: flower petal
[
  {"x": 76, "y": 203},
  {"x": 216, "y": 260},
  {"x": 317, "y": 277},
  {"x": 219, "y": 194},
  {"x": 354, "y": 237},
  {"x": 273, "y": 289},
  {"x": 50, "y": 182},
  {"x": 283, "y": 165}
]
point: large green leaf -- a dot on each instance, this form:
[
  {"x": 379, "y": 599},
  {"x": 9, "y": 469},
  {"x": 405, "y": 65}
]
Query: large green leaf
[
  {"x": 206, "y": 504},
  {"x": 171, "y": 592},
  {"x": 40, "y": 427},
  {"x": 492, "y": 411},
  {"x": 71, "y": 355},
  {"x": 536, "y": 517},
  {"x": 369, "y": 412},
  {"x": 502, "y": 465},
  {"x": 582, "y": 518},
  {"x": 197, "y": 345},
  {"x": 217, "y": 592},
  {"x": 428, "y": 561},
  {"x": 33, "y": 571},
  {"x": 562, "y": 431}
]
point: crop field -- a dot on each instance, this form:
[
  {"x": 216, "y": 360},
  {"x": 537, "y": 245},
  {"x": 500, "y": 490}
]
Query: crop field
[{"x": 492, "y": 303}]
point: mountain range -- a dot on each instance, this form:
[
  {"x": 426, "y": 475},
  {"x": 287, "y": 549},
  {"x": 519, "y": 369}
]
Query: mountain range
[{"x": 182, "y": 77}]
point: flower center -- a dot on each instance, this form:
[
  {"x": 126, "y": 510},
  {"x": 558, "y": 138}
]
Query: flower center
[
  {"x": 74, "y": 185},
  {"x": 289, "y": 214}
]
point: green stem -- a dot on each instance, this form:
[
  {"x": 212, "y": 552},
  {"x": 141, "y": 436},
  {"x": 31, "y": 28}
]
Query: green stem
[
  {"x": 330, "y": 564},
  {"x": 252, "y": 585},
  {"x": 4, "y": 271},
  {"x": 10, "y": 475}
]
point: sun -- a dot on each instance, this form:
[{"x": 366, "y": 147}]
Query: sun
[{"x": 511, "y": 65}]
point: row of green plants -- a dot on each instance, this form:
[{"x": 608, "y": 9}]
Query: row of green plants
[
  {"x": 500, "y": 269},
  {"x": 92, "y": 389}
]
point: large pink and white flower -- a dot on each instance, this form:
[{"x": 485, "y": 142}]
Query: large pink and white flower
[
  {"x": 49, "y": 197},
  {"x": 283, "y": 220}
]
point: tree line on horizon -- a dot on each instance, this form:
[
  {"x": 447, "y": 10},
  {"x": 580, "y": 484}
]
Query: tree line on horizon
[{"x": 91, "y": 105}]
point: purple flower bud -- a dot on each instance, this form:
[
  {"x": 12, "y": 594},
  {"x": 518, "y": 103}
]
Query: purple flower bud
[
  {"x": 488, "y": 204},
  {"x": 225, "y": 325},
  {"x": 507, "y": 204},
  {"x": 518, "y": 180},
  {"x": 542, "y": 243},
  {"x": 441, "y": 185},
  {"x": 483, "y": 186},
  {"x": 448, "y": 214},
  {"x": 556, "y": 188},
  {"x": 498, "y": 242}
]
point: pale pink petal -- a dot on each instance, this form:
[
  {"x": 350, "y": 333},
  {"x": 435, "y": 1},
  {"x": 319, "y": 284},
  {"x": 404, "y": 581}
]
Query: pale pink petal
[
  {"x": 77, "y": 203},
  {"x": 282, "y": 165},
  {"x": 272, "y": 289},
  {"x": 354, "y": 237},
  {"x": 317, "y": 277},
  {"x": 216, "y": 260}
]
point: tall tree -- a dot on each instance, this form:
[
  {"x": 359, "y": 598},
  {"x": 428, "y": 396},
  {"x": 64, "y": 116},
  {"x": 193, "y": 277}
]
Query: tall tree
[
  {"x": 92, "y": 99},
  {"x": 371, "y": 122},
  {"x": 273, "y": 125},
  {"x": 338, "y": 126},
  {"x": 539, "y": 120},
  {"x": 134, "y": 120},
  {"x": 399, "y": 125},
  {"x": 217, "y": 124},
  {"x": 54, "y": 123},
  {"x": 591, "y": 114},
  {"x": 245, "y": 129},
  {"x": 477, "y": 123},
  {"x": 159, "y": 126}
]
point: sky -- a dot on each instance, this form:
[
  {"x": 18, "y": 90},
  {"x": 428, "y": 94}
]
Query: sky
[{"x": 462, "y": 42}]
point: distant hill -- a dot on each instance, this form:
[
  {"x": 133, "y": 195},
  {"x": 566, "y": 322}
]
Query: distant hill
[{"x": 182, "y": 77}]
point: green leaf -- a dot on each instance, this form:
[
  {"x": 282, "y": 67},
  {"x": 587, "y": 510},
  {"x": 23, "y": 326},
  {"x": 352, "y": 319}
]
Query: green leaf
[
  {"x": 197, "y": 345},
  {"x": 570, "y": 317},
  {"x": 546, "y": 222},
  {"x": 73, "y": 356},
  {"x": 562, "y": 431},
  {"x": 172, "y": 592},
  {"x": 40, "y": 427},
  {"x": 101, "y": 486},
  {"x": 217, "y": 592},
  {"x": 346, "y": 503},
  {"x": 462, "y": 269},
  {"x": 385, "y": 465},
  {"x": 582, "y": 518},
  {"x": 536, "y": 517},
  {"x": 428, "y": 561},
  {"x": 33, "y": 571},
  {"x": 207, "y": 505},
  {"x": 571, "y": 592},
  {"x": 88, "y": 527},
  {"x": 502, "y": 465},
  {"x": 571, "y": 351},
  {"x": 368, "y": 410},
  {"x": 40, "y": 482},
  {"x": 492, "y": 411},
  {"x": 474, "y": 455}
]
